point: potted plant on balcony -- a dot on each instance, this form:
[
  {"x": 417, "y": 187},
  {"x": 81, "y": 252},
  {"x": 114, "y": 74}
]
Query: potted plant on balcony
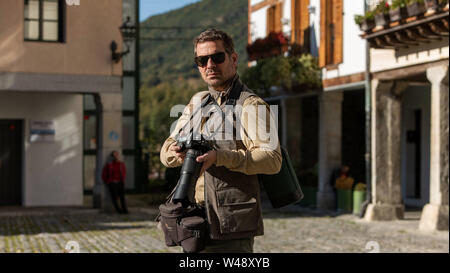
[
  {"x": 366, "y": 22},
  {"x": 443, "y": 4},
  {"x": 415, "y": 7},
  {"x": 382, "y": 14},
  {"x": 398, "y": 10},
  {"x": 432, "y": 6}
]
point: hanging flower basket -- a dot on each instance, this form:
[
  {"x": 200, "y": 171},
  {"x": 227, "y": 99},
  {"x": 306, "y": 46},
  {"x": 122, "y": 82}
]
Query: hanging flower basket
[{"x": 276, "y": 43}]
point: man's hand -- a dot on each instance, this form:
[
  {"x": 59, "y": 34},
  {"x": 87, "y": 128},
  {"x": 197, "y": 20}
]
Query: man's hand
[
  {"x": 180, "y": 155},
  {"x": 208, "y": 160}
]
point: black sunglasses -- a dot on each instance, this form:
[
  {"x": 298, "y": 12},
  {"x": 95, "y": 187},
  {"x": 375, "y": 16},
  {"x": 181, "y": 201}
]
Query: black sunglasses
[{"x": 217, "y": 58}]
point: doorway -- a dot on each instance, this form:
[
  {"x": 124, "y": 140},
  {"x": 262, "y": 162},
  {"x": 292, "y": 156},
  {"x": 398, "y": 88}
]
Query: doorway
[
  {"x": 11, "y": 162},
  {"x": 416, "y": 145}
]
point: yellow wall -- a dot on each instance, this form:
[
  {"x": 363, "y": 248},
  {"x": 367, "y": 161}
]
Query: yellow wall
[{"x": 90, "y": 28}]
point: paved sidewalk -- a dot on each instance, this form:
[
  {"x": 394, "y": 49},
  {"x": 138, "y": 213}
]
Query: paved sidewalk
[{"x": 291, "y": 230}]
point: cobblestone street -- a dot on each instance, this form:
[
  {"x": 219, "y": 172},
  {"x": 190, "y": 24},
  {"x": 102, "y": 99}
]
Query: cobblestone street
[{"x": 297, "y": 230}]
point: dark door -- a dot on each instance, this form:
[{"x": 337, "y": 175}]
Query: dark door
[{"x": 10, "y": 162}]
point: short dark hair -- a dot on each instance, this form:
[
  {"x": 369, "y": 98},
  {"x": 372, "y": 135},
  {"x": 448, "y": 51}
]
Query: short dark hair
[{"x": 215, "y": 35}]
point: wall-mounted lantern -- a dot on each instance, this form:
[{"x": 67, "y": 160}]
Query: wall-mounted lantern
[{"x": 128, "y": 33}]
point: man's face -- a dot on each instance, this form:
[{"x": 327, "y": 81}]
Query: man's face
[
  {"x": 217, "y": 75},
  {"x": 116, "y": 156}
]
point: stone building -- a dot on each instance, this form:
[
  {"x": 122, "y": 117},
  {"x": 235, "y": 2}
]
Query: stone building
[
  {"x": 323, "y": 129},
  {"x": 383, "y": 107},
  {"x": 53, "y": 53},
  {"x": 409, "y": 80}
]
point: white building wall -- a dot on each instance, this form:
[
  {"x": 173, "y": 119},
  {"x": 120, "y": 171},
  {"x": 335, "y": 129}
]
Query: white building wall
[
  {"x": 52, "y": 171},
  {"x": 386, "y": 59},
  {"x": 258, "y": 24},
  {"x": 286, "y": 17},
  {"x": 314, "y": 21}
]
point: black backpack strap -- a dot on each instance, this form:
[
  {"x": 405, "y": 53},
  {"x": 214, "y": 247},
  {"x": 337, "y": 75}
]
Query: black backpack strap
[{"x": 235, "y": 92}]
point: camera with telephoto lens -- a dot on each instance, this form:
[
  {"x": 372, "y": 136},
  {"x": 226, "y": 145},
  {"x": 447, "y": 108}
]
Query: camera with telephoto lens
[{"x": 190, "y": 171}]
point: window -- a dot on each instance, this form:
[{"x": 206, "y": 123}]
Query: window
[
  {"x": 128, "y": 126},
  {"x": 90, "y": 140},
  {"x": 44, "y": 20},
  {"x": 128, "y": 93},
  {"x": 331, "y": 32}
]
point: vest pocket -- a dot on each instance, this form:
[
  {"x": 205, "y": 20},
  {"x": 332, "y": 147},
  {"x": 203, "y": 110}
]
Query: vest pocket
[{"x": 238, "y": 212}]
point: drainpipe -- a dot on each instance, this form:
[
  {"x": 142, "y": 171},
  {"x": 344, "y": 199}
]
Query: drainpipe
[
  {"x": 368, "y": 106},
  {"x": 98, "y": 186}
]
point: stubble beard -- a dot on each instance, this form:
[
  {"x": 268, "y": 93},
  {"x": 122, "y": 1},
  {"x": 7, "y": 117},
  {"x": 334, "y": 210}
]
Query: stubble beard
[{"x": 219, "y": 83}]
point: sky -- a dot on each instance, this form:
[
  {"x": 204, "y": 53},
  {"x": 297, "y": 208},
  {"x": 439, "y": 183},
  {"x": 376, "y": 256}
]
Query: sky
[{"x": 153, "y": 7}]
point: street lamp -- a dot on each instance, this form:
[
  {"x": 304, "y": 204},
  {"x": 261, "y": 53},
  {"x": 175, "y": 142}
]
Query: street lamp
[{"x": 128, "y": 33}]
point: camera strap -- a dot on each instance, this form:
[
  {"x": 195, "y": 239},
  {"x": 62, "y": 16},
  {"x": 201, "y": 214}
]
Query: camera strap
[
  {"x": 232, "y": 99},
  {"x": 207, "y": 100}
]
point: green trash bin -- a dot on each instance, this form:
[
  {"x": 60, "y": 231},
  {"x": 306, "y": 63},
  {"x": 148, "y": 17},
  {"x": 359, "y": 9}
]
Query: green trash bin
[
  {"x": 344, "y": 200},
  {"x": 310, "y": 196},
  {"x": 358, "y": 198}
]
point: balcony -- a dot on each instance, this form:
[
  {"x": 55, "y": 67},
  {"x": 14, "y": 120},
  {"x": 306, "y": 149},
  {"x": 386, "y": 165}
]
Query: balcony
[{"x": 407, "y": 26}]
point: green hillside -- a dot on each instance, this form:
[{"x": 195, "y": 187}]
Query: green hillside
[
  {"x": 172, "y": 60},
  {"x": 168, "y": 74}
]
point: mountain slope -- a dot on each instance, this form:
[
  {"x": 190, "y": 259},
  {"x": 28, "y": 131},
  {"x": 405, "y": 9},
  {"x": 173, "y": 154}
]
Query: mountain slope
[{"x": 172, "y": 60}]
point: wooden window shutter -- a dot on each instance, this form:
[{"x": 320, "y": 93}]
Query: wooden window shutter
[
  {"x": 278, "y": 26},
  {"x": 331, "y": 32},
  {"x": 270, "y": 20},
  {"x": 323, "y": 33},
  {"x": 295, "y": 21},
  {"x": 338, "y": 23},
  {"x": 300, "y": 22}
]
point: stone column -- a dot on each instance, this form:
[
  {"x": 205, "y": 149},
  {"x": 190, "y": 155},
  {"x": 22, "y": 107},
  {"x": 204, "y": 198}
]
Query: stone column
[
  {"x": 330, "y": 142},
  {"x": 435, "y": 214},
  {"x": 386, "y": 146}
]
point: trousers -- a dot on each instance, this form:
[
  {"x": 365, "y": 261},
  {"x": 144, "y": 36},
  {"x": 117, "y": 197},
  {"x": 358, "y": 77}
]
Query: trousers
[
  {"x": 229, "y": 246},
  {"x": 117, "y": 191}
]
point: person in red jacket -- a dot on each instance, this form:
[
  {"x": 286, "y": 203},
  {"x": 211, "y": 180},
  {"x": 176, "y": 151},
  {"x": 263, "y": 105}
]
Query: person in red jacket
[{"x": 113, "y": 175}]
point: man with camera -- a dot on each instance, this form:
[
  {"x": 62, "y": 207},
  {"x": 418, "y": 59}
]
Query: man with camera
[{"x": 227, "y": 186}]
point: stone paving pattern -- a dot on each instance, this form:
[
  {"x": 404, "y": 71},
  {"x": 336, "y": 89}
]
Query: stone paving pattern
[{"x": 296, "y": 230}]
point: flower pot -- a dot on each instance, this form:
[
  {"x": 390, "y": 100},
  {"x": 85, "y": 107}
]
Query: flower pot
[
  {"x": 382, "y": 19},
  {"x": 344, "y": 200},
  {"x": 358, "y": 198},
  {"x": 415, "y": 9},
  {"x": 432, "y": 5},
  {"x": 397, "y": 14},
  {"x": 367, "y": 25}
]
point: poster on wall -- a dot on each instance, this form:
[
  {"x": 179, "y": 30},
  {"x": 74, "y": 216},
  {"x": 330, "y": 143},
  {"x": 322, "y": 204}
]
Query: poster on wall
[{"x": 42, "y": 131}]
